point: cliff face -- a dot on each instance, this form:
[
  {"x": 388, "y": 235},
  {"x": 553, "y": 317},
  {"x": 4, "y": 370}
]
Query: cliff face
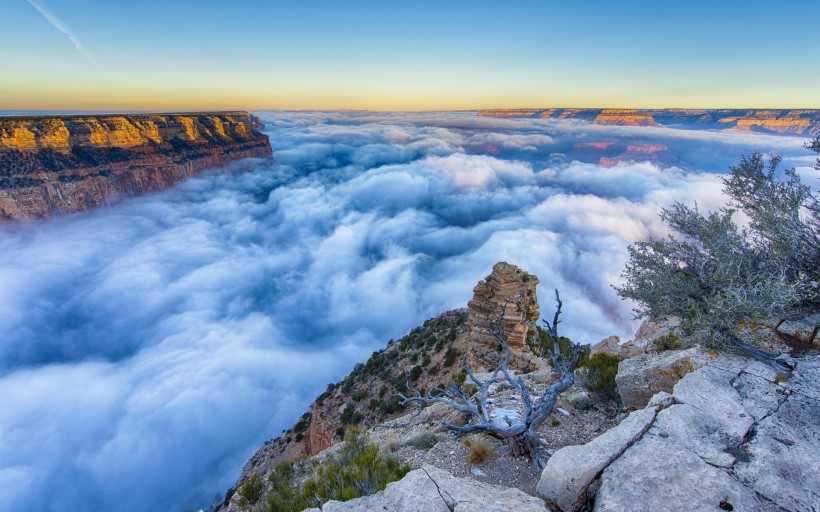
[
  {"x": 59, "y": 165},
  {"x": 795, "y": 122}
]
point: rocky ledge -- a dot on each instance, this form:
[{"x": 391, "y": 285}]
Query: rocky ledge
[
  {"x": 60, "y": 165},
  {"x": 732, "y": 435},
  {"x": 803, "y": 122}
]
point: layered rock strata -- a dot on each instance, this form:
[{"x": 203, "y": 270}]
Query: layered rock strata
[
  {"x": 511, "y": 291},
  {"x": 59, "y": 165},
  {"x": 796, "y": 122}
]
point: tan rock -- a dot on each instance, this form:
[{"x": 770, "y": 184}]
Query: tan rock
[
  {"x": 513, "y": 291},
  {"x": 640, "y": 378},
  {"x": 612, "y": 346}
]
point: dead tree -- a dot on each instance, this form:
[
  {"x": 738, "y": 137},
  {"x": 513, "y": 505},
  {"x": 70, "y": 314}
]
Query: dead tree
[{"x": 520, "y": 434}]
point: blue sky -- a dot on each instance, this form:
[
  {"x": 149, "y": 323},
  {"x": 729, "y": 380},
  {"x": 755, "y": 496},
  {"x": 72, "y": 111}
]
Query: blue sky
[{"x": 407, "y": 55}]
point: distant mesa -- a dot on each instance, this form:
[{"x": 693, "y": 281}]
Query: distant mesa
[
  {"x": 793, "y": 122},
  {"x": 59, "y": 165}
]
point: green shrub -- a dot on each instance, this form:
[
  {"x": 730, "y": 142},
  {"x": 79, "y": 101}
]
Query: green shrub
[
  {"x": 350, "y": 416},
  {"x": 450, "y": 356},
  {"x": 460, "y": 377},
  {"x": 415, "y": 373},
  {"x": 359, "y": 395},
  {"x": 598, "y": 377},
  {"x": 582, "y": 403},
  {"x": 542, "y": 346},
  {"x": 423, "y": 441},
  {"x": 358, "y": 470},
  {"x": 251, "y": 490},
  {"x": 555, "y": 422},
  {"x": 666, "y": 342}
]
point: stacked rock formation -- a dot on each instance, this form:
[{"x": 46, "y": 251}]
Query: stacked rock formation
[
  {"x": 58, "y": 165},
  {"x": 510, "y": 290}
]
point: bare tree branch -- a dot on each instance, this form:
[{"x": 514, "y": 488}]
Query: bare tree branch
[{"x": 521, "y": 434}]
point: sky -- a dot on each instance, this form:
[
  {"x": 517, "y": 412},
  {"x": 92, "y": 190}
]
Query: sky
[
  {"x": 421, "y": 55},
  {"x": 149, "y": 347}
]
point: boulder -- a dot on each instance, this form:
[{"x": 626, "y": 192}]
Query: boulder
[
  {"x": 571, "y": 470},
  {"x": 735, "y": 435},
  {"x": 782, "y": 460},
  {"x": 639, "y": 378},
  {"x": 612, "y": 346},
  {"x": 430, "y": 489},
  {"x": 805, "y": 329},
  {"x": 663, "y": 476}
]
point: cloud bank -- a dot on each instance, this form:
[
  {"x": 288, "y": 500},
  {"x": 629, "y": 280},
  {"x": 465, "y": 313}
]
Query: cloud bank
[{"x": 151, "y": 346}]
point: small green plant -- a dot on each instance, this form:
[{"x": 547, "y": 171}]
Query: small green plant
[
  {"x": 555, "y": 422},
  {"x": 598, "y": 377},
  {"x": 460, "y": 377},
  {"x": 251, "y": 490},
  {"x": 359, "y": 394},
  {"x": 670, "y": 341},
  {"x": 423, "y": 441},
  {"x": 479, "y": 450},
  {"x": 780, "y": 378}
]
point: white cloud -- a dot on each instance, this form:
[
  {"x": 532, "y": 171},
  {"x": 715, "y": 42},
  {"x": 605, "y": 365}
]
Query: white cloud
[
  {"x": 151, "y": 346},
  {"x": 62, "y": 27}
]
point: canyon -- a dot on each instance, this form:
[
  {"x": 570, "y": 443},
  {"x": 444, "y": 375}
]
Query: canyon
[
  {"x": 804, "y": 122},
  {"x": 54, "y": 165}
]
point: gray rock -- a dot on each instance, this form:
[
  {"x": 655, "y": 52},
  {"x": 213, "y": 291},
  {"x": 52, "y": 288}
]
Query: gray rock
[
  {"x": 709, "y": 390},
  {"x": 569, "y": 472},
  {"x": 782, "y": 459},
  {"x": 659, "y": 475},
  {"x": 734, "y": 434},
  {"x": 640, "y": 378},
  {"x": 431, "y": 489}
]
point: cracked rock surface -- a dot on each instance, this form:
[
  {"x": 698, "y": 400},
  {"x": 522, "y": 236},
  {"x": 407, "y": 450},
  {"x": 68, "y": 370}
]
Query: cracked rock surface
[
  {"x": 430, "y": 489},
  {"x": 731, "y": 433}
]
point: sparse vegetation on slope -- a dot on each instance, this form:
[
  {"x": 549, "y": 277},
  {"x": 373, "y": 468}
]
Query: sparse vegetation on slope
[{"x": 357, "y": 469}]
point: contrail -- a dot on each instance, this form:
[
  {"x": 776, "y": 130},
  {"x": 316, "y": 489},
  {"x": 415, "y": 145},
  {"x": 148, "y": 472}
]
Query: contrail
[{"x": 62, "y": 27}]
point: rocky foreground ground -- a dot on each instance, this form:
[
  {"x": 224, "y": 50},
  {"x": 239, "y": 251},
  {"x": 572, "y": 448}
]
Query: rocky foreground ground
[{"x": 706, "y": 431}]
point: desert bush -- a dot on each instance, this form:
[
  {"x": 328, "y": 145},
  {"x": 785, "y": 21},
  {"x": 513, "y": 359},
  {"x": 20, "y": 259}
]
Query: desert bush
[
  {"x": 666, "y": 342},
  {"x": 555, "y": 422},
  {"x": 250, "y": 491},
  {"x": 479, "y": 450},
  {"x": 423, "y": 441},
  {"x": 358, "y": 469},
  {"x": 541, "y": 345},
  {"x": 392, "y": 445},
  {"x": 598, "y": 377},
  {"x": 582, "y": 403},
  {"x": 714, "y": 276}
]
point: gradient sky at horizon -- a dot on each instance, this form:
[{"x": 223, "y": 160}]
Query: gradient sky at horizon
[{"x": 422, "y": 55}]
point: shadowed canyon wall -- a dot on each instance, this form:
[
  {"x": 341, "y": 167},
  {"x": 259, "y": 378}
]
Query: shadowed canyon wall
[{"x": 59, "y": 165}]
